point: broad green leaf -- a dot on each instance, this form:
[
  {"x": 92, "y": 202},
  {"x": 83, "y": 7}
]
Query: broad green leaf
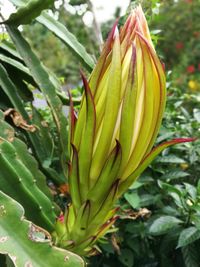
[
  {"x": 188, "y": 236},
  {"x": 26, "y": 13},
  {"x": 136, "y": 185},
  {"x": 170, "y": 159},
  {"x": 191, "y": 190},
  {"x": 68, "y": 38},
  {"x": 163, "y": 224},
  {"x": 170, "y": 189},
  {"x": 64, "y": 35},
  {"x": 174, "y": 174},
  {"x": 148, "y": 200},
  {"x": 133, "y": 199},
  {"x": 25, "y": 243},
  {"x": 14, "y": 63},
  {"x": 10, "y": 48}
]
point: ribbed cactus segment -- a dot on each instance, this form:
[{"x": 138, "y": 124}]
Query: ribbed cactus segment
[
  {"x": 27, "y": 244},
  {"x": 21, "y": 179}
]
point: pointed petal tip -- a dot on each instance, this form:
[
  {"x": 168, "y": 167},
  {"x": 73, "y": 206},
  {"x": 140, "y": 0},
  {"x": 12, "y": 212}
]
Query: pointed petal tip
[{"x": 181, "y": 140}]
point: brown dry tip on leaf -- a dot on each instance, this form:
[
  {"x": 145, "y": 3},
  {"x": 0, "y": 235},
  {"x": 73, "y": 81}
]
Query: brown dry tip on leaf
[
  {"x": 133, "y": 215},
  {"x": 18, "y": 120}
]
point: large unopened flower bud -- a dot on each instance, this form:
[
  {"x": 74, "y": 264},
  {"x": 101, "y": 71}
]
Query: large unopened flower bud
[
  {"x": 126, "y": 92},
  {"x": 118, "y": 122}
]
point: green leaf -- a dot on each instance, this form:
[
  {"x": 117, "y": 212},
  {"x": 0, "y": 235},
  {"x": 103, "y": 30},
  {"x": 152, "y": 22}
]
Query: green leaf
[
  {"x": 191, "y": 190},
  {"x": 171, "y": 190},
  {"x": 170, "y": 159},
  {"x": 25, "y": 243},
  {"x": 64, "y": 35},
  {"x": 14, "y": 63},
  {"x": 26, "y": 13},
  {"x": 148, "y": 199},
  {"x": 163, "y": 224},
  {"x": 68, "y": 38},
  {"x": 187, "y": 236},
  {"x": 174, "y": 174},
  {"x": 10, "y": 48},
  {"x": 136, "y": 185},
  {"x": 133, "y": 199}
]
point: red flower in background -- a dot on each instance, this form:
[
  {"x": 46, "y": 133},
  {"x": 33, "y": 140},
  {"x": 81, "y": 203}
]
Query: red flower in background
[
  {"x": 179, "y": 46},
  {"x": 191, "y": 69},
  {"x": 188, "y": 1}
]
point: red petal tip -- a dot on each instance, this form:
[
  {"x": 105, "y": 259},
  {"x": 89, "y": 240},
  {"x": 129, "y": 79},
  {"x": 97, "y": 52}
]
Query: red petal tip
[{"x": 183, "y": 140}]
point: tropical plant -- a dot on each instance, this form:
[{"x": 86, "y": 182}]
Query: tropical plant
[{"x": 109, "y": 145}]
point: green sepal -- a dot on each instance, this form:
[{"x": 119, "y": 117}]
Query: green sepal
[
  {"x": 81, "y": 222},
  {"x": 87, "y": 140},
  {"x": 100, "y": 217},
  {"x": 74, "y": 180},
  {"x": 107, "y": 177}
]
